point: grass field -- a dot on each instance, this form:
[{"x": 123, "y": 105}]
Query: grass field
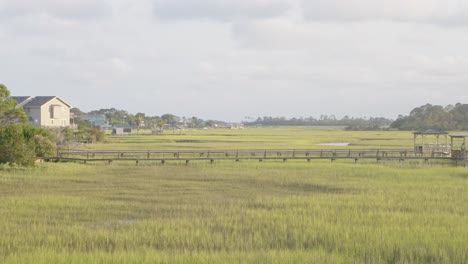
[
  {"x": 246, "y": 212},
  {"x": 258, "y": 138}
]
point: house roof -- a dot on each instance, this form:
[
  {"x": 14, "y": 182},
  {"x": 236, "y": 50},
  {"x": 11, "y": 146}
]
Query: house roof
[
  {"x": 459, "y": 136},
  {"x": 36, "y": 101},
  {"x": 20, "y": 99},
  {"x": 430, "y": 132}
]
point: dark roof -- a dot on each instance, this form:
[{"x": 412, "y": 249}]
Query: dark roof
[
  {"x": 36, "y": 101},
  {"x": 430, "y": 132},
  {"x": 459, "y": 136},
  {"x": 20, "y": 99},
  {"x": 39, "y": 101}
]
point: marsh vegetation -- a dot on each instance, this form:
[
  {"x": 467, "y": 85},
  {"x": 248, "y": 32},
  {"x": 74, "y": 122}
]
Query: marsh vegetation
[{"x": 245, "y": 212}]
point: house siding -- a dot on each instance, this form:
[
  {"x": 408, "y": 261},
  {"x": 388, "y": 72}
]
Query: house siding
[
  {"x": 55, "y": 114},
  {"x": 34, "y": 115}
]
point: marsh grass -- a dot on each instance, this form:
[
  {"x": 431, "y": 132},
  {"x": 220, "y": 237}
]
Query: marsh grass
[
  {"x": 258, "y": 138},
  {"x": 244, "y": 212},
  {"x": 270, "y": 212}
]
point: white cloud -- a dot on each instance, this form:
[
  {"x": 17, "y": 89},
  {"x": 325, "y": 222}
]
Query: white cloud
[
  {"x": 244, "y": 57},
  {"x": 221, "y": 10},
  {"x": 120, "y": 65},
  {"x": 442, "y": 12},
  {"x": 63, "y": 9}
]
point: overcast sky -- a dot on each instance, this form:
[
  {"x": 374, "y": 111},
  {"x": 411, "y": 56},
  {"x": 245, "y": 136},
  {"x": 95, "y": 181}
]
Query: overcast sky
[{"x": 228, "y": 59}]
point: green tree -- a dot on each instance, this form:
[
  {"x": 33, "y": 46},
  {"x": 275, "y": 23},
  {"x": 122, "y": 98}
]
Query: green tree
[
  {"x": 140, "y": 121},
  {"x": 169, "y": 119},
  {"x": 16, "y": 149},
  {"x": 160, "y": 125},
  {"x": 22, "y": 144},
  {"x": 9, "y": 114}
]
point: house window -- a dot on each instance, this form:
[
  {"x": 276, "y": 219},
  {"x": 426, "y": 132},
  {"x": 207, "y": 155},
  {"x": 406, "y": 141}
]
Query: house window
[{"x": 127, "y": 130}]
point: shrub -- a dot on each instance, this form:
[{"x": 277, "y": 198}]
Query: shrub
[
  {"x": 15, "y": 148},
  {"x": 22, "y": 144}
]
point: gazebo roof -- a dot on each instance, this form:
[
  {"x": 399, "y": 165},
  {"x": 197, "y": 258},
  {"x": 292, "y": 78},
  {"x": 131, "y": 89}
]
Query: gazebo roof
[
  {"x": 430, "y": 132},
  {"x": 459, "y": 136}
]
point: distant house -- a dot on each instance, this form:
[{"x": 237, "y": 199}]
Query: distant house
[
  {"x": 121, "y": 129},
  {"x": 45, "y": 111},
  {"x": 95, "y": 120}
]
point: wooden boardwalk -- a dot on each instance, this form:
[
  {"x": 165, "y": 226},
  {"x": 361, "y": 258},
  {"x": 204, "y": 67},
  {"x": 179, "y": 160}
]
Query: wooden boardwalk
[{"x": 187, "y": 156}]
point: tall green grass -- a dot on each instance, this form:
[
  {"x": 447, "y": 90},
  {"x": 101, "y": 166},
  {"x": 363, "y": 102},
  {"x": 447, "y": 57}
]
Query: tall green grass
[
  {"x": 258, "y": 138},
  {"x": 227, "y": 212}
]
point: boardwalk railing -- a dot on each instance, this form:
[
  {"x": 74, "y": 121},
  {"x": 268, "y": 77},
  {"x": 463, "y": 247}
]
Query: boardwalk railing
[{"x": 237, "y": 155}]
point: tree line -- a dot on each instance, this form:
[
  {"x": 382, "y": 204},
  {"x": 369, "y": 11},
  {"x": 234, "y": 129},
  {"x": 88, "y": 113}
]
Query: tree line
[
  {"x": 350, "y": 123},
  {"x": 450, "y": 117}
]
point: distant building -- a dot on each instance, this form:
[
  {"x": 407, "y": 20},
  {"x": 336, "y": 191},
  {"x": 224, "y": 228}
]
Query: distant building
[
  {"x": 121, "y": 129},
  {"x": 95, "y": 120},
  {"x": 45, "y": 111}
]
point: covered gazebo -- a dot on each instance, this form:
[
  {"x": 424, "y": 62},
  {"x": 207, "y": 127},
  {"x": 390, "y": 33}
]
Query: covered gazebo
[
  {"x": 424, "y": 145},
  {"x": 458, "y": 143}
]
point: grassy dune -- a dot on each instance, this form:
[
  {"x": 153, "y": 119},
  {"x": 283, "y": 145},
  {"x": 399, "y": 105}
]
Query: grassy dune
[{"x": 227, "y": 212}]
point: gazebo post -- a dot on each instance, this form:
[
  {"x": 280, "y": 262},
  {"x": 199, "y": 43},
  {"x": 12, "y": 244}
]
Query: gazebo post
[
  {"x": 446, "y": 143},
  {"x": 422, "y": 147}
]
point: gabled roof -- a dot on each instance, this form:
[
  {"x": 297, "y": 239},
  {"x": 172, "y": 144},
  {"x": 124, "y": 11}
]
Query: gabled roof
[
  {"x": 36, "y": 101},
  {"x": 21, "y": 99}
]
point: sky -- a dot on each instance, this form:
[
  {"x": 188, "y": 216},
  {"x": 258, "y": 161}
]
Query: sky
[{"x": 238, "y": 59}]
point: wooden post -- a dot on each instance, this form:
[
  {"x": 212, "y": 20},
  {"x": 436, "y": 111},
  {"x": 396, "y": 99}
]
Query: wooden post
[
  {"x": 187, "y": 162},
  {"x": 163, "y": 162},
  {"x": 212, "y": 161},
  {"x": 148, "y": 156},
  {"x": 422, "y": 151},
  {"x": 137, "y": 162}
]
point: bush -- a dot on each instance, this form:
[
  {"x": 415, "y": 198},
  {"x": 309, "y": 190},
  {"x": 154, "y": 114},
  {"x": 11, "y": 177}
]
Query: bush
[
  {"x": 22, "y": 144},
  {"x": 16, "y": 149}
]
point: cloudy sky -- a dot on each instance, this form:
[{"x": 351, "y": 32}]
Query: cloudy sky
[{"x": 228, "y": 59}]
